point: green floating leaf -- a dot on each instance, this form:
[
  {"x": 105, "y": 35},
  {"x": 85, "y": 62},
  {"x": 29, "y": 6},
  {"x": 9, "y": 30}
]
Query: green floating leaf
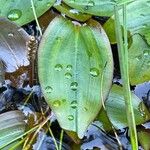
[
  {"x": 96, "y": 7},
  {"x": 13, "y": 45},
  {"x": 11, "y": 125},
  {"x": 72, "y": 13},
  {"x": 138, "y": 24},
  {"x": 116, "y": 109},
  {"x": 20, "y": 11},
  {"x": 73, "y": 58}
]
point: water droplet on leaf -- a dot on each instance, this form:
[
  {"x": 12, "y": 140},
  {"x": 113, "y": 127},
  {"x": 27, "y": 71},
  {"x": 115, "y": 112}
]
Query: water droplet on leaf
[
  {"x": 68, "y": 75},
  {"x": 70, "y": 117},
  {"x": 48, "y": 4},
  {"x": 146, "y": 52},
  {"x": 74, "y": 86},
  {"x": 94, "y": 72},
  {"x": 141, "y": 109},
  {"x": 48, "y": 89},
  {"x": 58, "y": 67},
  {"x": 69, "y": 67},
  {"x": 14, "y": 14},
  {"x": 74, "y": 104},
  {"x": 10, "y": 35},
  {"x": 56, "y": 103},
  {"x": 91, "y": 3}
]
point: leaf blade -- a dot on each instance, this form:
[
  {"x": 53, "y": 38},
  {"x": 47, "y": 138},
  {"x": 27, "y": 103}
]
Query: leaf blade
[{"x": 65, "y": 50}]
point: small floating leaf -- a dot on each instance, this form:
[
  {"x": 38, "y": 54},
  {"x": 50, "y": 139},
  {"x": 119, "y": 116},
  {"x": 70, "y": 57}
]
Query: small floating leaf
[{"x": 82, "y": 90}]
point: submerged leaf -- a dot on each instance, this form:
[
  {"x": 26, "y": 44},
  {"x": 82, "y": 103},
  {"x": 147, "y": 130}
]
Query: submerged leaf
[
  {"x": 73, "y": 61},
  {"x": 138, "y": 24},
  {"x": 13, "y": 51},
  {"x": 20, "y": 11},
  {"x": 116, "y": 109},
  {"x": 11, "y": 126},
  {"x": 96, "y": 7}
]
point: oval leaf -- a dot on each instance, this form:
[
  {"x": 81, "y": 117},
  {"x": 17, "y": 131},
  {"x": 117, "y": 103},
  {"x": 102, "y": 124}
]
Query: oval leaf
[
  {"x": 116, "y": 109},
  {"x": 13, "y": 45},
  {"x": 20, "y": 11},
  {"x": 11, "y": 125},
  {"x": 73, "y": 60},
  {"x": 96, "y": 7}
]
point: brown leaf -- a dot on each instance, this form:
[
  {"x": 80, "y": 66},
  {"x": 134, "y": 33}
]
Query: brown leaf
[{"x": 13, "y": 45}]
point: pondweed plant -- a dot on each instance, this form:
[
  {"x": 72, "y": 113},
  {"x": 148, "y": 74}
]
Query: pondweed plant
[{"x": 75, "y": 63}]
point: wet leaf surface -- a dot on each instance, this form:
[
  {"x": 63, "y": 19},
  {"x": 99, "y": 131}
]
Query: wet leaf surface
[
  {"x": 72, "y": 13},
  {"x": 96, "y": 7},
  {"x": 70, "y": 71},
  {"x": 20, "y": 11}
]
